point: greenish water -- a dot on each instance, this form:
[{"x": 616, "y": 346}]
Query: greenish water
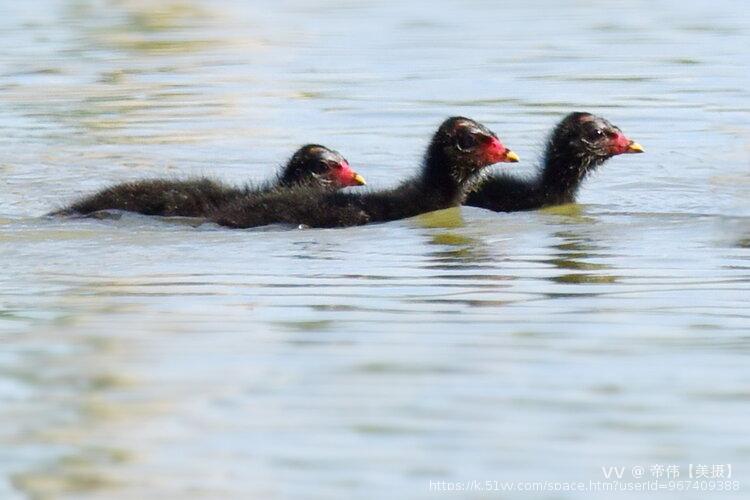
[{"x": 142, "y": 358}]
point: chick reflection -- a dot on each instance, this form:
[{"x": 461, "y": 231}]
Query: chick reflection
[
  {"x": 462, "y": 251},
  {"x": 464, "y": 266},
  {"x": 573, "y": 253}
]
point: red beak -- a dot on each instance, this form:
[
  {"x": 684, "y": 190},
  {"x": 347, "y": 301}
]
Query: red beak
[
  {"x": 497, "y": 153},
  {"x": 623, "y": 145},
  {"x": 344, "y": 176}
]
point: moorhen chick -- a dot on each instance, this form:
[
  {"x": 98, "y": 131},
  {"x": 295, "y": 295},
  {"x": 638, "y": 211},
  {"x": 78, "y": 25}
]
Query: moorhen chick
[
  {"x": 578, "y": 145},
  {"x": 313, "y": 166},
  {"x": 459, "y": 150}
]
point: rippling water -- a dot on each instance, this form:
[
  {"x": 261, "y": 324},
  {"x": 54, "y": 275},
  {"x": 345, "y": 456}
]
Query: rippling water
[{"x": 143, "y": 358}]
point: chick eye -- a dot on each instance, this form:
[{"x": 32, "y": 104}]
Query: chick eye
[
  {"x": 466, "y": 142},
  {"x": 596, "y": 134}
]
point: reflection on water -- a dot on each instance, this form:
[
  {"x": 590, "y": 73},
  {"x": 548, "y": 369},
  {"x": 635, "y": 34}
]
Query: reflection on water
[
  {"x": 449, "y": 219},
  {"x": 80, "y": 392},
  {"x": 148, "y": 358},
  {"x": 575, "y": 254}
]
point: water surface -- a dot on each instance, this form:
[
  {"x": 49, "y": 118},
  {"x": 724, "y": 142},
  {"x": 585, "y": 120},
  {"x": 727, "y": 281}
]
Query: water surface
[{"x": 143, "y": 358}]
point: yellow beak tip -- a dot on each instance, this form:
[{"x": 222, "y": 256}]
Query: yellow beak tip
[
  {"x": 635, "y": 148},
  {"x": 359, "y": 180},
  {"x": 512, "y": 157}
]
